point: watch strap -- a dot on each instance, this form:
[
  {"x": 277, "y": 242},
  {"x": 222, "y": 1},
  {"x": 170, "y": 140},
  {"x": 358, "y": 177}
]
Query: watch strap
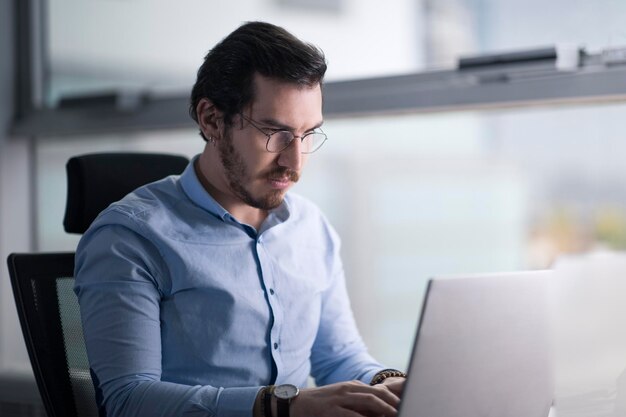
[
  {"x": 283, "y": 407},
  {"x": 267, "y": 401}
]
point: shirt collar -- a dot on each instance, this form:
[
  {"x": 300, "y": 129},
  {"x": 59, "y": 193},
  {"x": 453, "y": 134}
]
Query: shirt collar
[{"x": 200, "y": 196}]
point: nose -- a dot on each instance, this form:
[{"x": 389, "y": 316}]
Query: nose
[{"x": 291, "y": 156}]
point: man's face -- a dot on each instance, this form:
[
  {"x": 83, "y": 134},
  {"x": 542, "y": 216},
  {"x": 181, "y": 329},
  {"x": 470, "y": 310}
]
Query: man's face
[{"x": 255, "y": 176}]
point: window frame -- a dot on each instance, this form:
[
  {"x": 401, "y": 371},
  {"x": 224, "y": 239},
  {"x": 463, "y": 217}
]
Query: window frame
[{"x": 519, "y": 79}]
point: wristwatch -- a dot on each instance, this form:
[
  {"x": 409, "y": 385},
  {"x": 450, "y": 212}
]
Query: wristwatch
[{"x": 284, "y": 394}]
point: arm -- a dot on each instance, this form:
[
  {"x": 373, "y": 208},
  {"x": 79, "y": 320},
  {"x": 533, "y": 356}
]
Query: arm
[
  {"x": 340, "y": 362},
  {"x": 120, "y": 279},
  {"x": 339, "y": 353}
]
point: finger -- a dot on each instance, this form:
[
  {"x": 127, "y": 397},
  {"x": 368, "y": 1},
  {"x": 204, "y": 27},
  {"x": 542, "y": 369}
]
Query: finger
[
  {"x": 387, "y": 395},
  {"x": 343, "y": 412},
  {"x": 369, "y": 404},
  {"x": 328, "y": 410},
  {"x": 346, "y": 412},
  {"x": 396, "y": 386},
  {"x": 378, "y": 390}
]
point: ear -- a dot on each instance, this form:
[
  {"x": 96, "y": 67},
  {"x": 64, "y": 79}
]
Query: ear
[{"x": 210, "y": 119}]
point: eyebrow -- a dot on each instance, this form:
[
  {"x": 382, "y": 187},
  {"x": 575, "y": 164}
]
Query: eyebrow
[{"x": 275, "y": 124}]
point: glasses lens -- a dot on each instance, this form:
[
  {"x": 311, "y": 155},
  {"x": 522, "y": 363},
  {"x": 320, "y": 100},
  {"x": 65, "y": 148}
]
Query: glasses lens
[
  {"x": 279, "y": 141},
  {"x": 313, "y": 141}
]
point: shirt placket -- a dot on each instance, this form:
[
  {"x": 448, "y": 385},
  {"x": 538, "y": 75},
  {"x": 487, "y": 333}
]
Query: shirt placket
[{"x": 268, "y": 278}]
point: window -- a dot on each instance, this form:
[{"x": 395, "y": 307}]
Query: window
[
  {"x": 99, "y": 46},
  {"x": 414, "y": 196}
]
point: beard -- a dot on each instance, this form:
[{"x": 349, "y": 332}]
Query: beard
[{"x": 237, "y": 175}]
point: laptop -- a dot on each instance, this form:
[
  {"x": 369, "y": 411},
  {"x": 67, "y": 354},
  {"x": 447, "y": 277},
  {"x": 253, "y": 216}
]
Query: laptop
[{"x": 482, "y": 348}]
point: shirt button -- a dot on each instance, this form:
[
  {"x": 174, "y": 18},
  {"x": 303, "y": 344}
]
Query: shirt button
[
  {"x": 272, "y": 291},
  {"x": 275, "y": 345}
]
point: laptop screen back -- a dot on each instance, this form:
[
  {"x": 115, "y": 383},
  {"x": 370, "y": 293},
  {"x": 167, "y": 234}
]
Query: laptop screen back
[{"x": 482, "y": 348}]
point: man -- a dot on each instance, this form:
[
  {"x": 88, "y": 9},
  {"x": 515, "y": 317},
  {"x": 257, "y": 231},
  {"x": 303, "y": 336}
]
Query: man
[{"x": 216, "y": 293}]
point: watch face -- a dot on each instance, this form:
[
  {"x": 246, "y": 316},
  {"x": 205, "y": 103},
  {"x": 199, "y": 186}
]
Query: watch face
[{"x": 286, "y": 391}]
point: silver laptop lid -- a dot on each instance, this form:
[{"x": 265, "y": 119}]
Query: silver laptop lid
[{"x": 482, "y": 348}]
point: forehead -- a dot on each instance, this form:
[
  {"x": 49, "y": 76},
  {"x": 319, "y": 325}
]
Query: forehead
[{"x": 288, "y": 103}]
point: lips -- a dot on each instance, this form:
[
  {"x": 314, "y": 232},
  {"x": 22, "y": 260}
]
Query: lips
[
  {"x": 279, "y": 183},
  {"x": 283, "y": 176},
  {"x": 280, "y": 179}
]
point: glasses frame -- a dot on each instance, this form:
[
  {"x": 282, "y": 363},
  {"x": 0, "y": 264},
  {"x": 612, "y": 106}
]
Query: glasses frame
[{"x": 254, "y": 124}]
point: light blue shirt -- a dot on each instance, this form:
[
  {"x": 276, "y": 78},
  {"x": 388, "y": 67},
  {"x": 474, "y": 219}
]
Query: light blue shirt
[{"x": 188, "y": 312}]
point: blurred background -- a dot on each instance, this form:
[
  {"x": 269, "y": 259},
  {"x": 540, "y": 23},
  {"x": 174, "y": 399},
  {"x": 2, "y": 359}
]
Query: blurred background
[{"x": 415, "y": 190}]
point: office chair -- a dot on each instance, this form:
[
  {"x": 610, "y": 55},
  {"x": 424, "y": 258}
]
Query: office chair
[{"x": 43, "y": 282}]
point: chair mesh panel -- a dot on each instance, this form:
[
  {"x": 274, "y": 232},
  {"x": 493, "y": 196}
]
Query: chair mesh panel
[
  {"x": 75, "y": 353},
  {"x": 50, "y": 320},
  {"x": 45, "y": 330}
]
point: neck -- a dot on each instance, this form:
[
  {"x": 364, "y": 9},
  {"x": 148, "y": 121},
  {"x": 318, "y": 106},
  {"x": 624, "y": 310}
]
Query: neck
[{"x": 241, "y": 211}]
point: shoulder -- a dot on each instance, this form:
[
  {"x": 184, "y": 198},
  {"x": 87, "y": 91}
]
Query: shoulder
[
  {"x": 127, "y": 233},
  {"x": 150, "y": 199},
  {"x": 150, "y": 206}
]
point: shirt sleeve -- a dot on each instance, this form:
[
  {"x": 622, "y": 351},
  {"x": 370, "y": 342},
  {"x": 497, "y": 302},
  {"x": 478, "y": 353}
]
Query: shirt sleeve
[
  {"x": 339, "y": 353},
  {"x": 120, "y": 279}
]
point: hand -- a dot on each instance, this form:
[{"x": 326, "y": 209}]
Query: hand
[
  {"x": 395, "y": 384},
  {"x": 346, "y": 399}
]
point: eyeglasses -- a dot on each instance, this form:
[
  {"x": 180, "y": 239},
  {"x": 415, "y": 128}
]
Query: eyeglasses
[{"x": 279, "y": 139}]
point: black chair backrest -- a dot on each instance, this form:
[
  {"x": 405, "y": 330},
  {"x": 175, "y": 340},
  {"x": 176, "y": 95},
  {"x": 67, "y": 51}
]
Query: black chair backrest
[
  {"x": 96, "y": 180},
  {"x": 50, "y": 318}
]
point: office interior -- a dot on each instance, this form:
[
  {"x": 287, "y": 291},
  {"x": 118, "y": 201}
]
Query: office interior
[{"x": 438, "y": 162}]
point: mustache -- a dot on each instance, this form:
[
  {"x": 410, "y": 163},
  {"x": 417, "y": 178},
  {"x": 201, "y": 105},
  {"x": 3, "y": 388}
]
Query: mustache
[{"x": 281, "y": 173}]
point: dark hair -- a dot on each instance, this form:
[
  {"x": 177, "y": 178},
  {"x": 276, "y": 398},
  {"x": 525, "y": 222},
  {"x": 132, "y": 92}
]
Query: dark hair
[{"x": 226, "y": 76}]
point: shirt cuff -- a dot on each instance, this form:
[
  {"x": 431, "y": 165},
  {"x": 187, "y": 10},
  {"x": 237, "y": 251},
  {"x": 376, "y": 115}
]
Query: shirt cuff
[
  {"x": 236, "y": 402},
  {"x": 367, "y": 377}
]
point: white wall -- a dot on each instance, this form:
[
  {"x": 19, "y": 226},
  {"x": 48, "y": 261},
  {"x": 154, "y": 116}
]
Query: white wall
[
  {"x": 14, "y": 199},
  {"x": 6, "y": 69},
  {"x": 162, "y": 45}
]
